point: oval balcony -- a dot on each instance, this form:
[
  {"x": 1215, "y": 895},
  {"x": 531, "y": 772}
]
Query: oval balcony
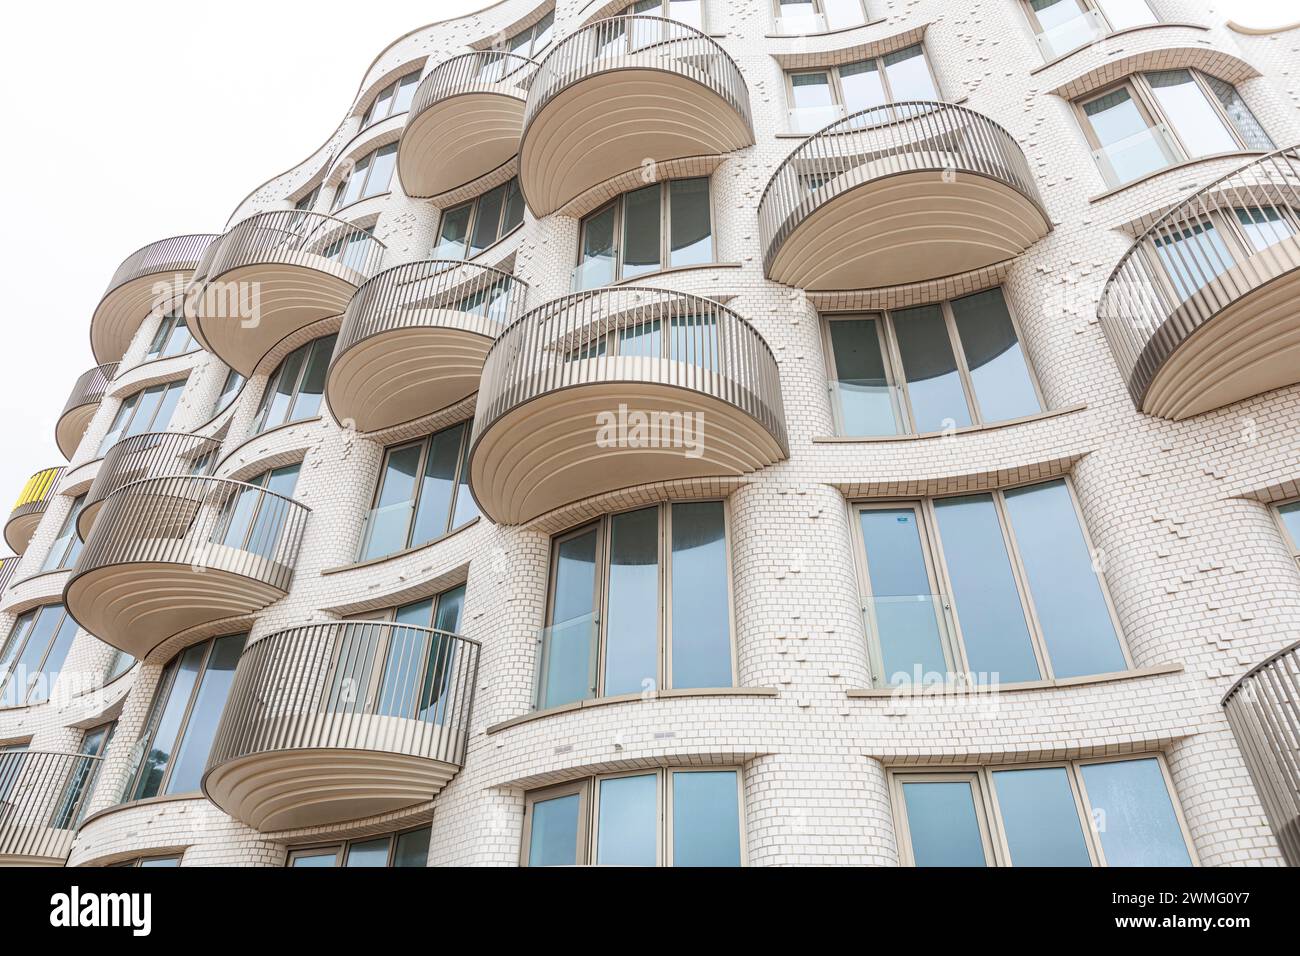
[
  {"x": 414, "y": 339},
  {"x": 30, "y": 507},
  {"x": 1204, "y": 309},
  {"x": 167, "y": 554},
  {"x": 147, "y": 455},
  {"x": 273, "y": 274},
  {"x": 1263, "y": 708},
  {"x": 149, "y": 277},
  {"x": 43, "y": 797},
  {"x": 330, "y": 723},
  {"x": 465, "y": 121},
  {"x": 611, "y": 388},
  {"x": 896, "y": 194},
  {"x": 82, "y": 404},
  {"x": 623, "y": 92}
]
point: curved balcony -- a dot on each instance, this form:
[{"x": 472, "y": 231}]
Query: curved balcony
[
  {"x": 149, "y": 277},
  {"x": 1263, "y": 708},
  {"x": 147, "y": 455},
  {"x": 7, "y": 567},
  {"x": 623, "y": 91},
  {"x": 330, "y": 723},
  {"x": 43, "y": 797},
  {"x": 465, "y": 121},
  {"x": 273, "y": 274},
  {"x": 82, "y": 404},
  {"x": 611, "y": 388},
  {"x": 896, "y": 194},
  {"x": 30, "y": 507},
  {"x": 414, "y": 339},
  {"x": 168, "y": 554},
  {"x": 1204, "y": 309}
]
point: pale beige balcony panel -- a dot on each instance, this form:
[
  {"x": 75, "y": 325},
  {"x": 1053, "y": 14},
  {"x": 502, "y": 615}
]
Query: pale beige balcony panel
[
  {"x": 168, "y": 554},
  {"x": 30, "y": 508},
  {"x": 147, "y": 455},
  {"x": 330, "y": 723},
  {"x": 465, "y": 121},
  {"x": 274, "y": 274},
  {"x": 414, "y": 339},
  {"x": 620, "y": 92},
  {"x": 44, "y": 796},
  {"x": 564, "y": 389},
  {"x": 81, "y": 406},
  {"x": 1204, "y": 309},
  {"x": 149, "y": 278},
  {"x": 897, "y": 194}
]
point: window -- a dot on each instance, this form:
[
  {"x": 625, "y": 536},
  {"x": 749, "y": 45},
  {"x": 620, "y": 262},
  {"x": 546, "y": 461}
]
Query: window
[
  {"x": 409, "y": 848},
  {"x": 820, "y": 97},
  {"x": 423, "y": 493},
  {"x": 229, "y": 389},
  {"x": 352, "y": 249},
  {"x": 172, "y": 338},
  {"x": 929, "y": 368},
  {"x": 802, "y": 17},
  {"x": 12, "y": 763},
  {"x": 533, "y": 40},
  {"x": 660, "y": 818},
  {"x": 369, "y": 177},
  {"x": 151, "y": 861},
  {"x": 638, "y": 601},
  {"x": 182, "y": 723},
  {"x": 32, "y": 657},
  {"x": 393, "y": 99},
  {"x": 1153, "y": 120},
  {"x": 689, "y": 12},
  {"x": 252, "y": 519},
  {"x": 999, "y": 585},
  {"x": 1064, "y": 25},
  {"x": 662, "y": 226},
  {"x": 67, "y": 545},
  {"x": 308, "y": 202},
  {"x": 118, "y": 664},
  {"x": 293, "y": 392},
  {"x": 1082, "y": 813},
  {"x": 148, "y": 410},
  {"x": 473, "y": 226},
  {"x": 1289, "y": 515},
  {"x": 81, "y": 780}
]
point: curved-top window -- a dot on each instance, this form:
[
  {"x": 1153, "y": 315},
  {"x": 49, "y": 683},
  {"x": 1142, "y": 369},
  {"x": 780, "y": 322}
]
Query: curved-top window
[
  {"x": 393, "y": 99},
  {"x": 172, "y": 338},
  {"x": 469, "y": 228},
  {"x": 293, "y": 392},
  {"x": 531, "y": 41},
  {"x": 369, "y": 177},
  {"x": 148, "y": 410},
  {"x": 32, "y": 656}
]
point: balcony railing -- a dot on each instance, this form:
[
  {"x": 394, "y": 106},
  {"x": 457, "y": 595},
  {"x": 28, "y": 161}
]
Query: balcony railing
[
  {"x": 147, "y": 455},
  {"x": 31, "y": 504},
  {"x": 1078, "y": 31},
  {"x": 7, "y": 567},
  {"x": 1136, "y": 155},
  {"x": 913, "y": 634},
  {"x": 43, "y": 797},
  {"x": 86, "y": 395},
  {"x": 1212, "y": 254},
  {"x": 293, "y": 237},
  {"x": 1263, "y": 708}
]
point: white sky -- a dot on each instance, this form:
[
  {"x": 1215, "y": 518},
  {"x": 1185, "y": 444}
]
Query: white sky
[{"x": 156, "y": 120}]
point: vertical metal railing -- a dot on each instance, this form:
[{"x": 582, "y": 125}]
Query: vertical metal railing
[
  {"x": 90, "y": 387},
  {"x": 296, "y": 237},
  {"x": 43, "y": 797},
  {"x": 483, "y": 71},
  {"x": 177, "y": 254},
  {"x": 147, "y": 455},
  {"x": 32, "y": 502}
]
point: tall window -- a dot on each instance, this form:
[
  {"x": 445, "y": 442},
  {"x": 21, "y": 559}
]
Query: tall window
[
  {"x": 308, "y": 202},
  {"x": 638, "y": 601},
  {"x": 657, "y": 818},
  {"x": 1289, "y": 514},
  {"x": 229, "y": 389},
  {"x": 1064, "y": 25},
  {"x": 423, "y": 493},
  {"x": 662, "y": 226},
  {"x": 32, "y": 657},
  {"x": 67, "y": 546},
  {"x": 183, "y": 718},
  {"x": 689, "y": 12},
  {"x": 393, "y": 99},
  {"x": 929, "y": 368},
  {"x": 1153, "y": 120},
  {"x": 531, "y": 41},
  {"x": 252, "y": 520},
  {"x": 408, "y": 848},
  {"x": 473, "y": 226},
  {"x": 172, "y": 338},
  {"x": 999, "y": 585},
  {"x": 293, "y": 392},
  {"x": 81, "y": 780},
  {"x": 803, "y": 17},
  {"x": 148, "y": 410},
  {"x": 1081, "y": 813},
  {"x": 820, "y": 97},
  {"x": 369, "y": 177}
]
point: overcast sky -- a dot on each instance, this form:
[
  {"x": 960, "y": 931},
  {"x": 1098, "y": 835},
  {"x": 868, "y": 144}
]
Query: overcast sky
[{"x": 131, "y": 122}]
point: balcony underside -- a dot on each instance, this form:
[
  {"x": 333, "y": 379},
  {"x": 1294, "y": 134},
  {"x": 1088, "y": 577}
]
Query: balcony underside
[
  {"x": 120, "y": 313},
  {"x": 545, "y": 454},
  {"x": 459, "y": 140},
  {"x": 1249, "y": 347},
  {"x": 34, "y": 846},
  {"x": 19, "y": 530},
  {"x": 615, "y": 121},
  {"x": 71, "y": 426},
  {"x": 879, "y": 228},
  {"x": 397, "y": 376}
]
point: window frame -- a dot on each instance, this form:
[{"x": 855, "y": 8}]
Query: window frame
[
  {"x": 474, "y": 204},
  {"x": 140, "y": 861},
  {"x": 10, "y": 656},
  {"x": 134, "y": 397},
  {"x": 341, "y": 191},
  {"x": 341, "y": 847},
  {"x": 308, "y": 351},
  {"x": 531, "y": 30},
  {"x": 166, "y": 331},
  {"x": 819, "y": 10},
  {"x": 369, "y": 119},
  {"x": 1037, "y": 28},
  {"x": 69, "y": 535},
  {"x": 1292, "y": 543},
  {"x": 836, "y": 85}
]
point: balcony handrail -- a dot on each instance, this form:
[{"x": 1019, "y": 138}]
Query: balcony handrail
[
  {"x": 1267, "y": 662},
  {"x": 297, "y": 237},
  {"x": 43, "y": 797},
  {"x": 151, "y": 455},
  {"x": 175, "y": 252},
  {"x": 463, "y": 74},
  {"x": 90, "y": 386}
]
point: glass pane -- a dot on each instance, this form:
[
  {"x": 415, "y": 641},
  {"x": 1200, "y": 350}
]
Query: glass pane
[
  {"x": 1040, "y": 818},
  {"x": 406, "y": 88},
  {"x": 383, "y": 104},
  {"x": 692, "y": 232},
  {"x": 17, "y": 635},
  {"x": 868, "y": 403},
  {"x": 701, "y": 620},
  {"x": 1068, "y": 599},
  {"x": 641, "y": 240},
  {"x": 1123, "y": 14},
  {"x": 27, "y": 669},
  {"x": 1129, "y": 148},
  {"x": 390, "y": 518},
  {"x": 114, "y": 433},
  {"x": 167, "y": 406},
  {"x": 900, "y": 608},
  {"x": 1248, "y": 128},
  {"x": 161, "y": 861},
  {"x": 694, "y": 339},
  {"x": 862, "y": 85},
  {"x": 1189, "y": 111},
  {"x": 933, "y": 383},
  {"x": 487, "y": 219},
  {"x": 52, "y": 666},
  {"x": 553, "y": 835},
  {"x": 369, "y": 853},
  {"x": 686, "y": 11},
  {"x": 632, "y": 619},
  {"x": 307, "y": 403},
  {"x": 567, "y": 654},
  {"x": 644, "y": 340},
  {"x": 542, "y": 32},
  {"x": 984, "y": 592},
  {"x": 596, "y": 267},
  {"x": 280, "y": 389},
  {"x": 169, "y": 724},
  {"x": 201, "y": 728},
  {"x": 316, "y": 858},
  {"x": 412, "y": 848},
  {"x": 706, "y": 819},
  {"x": 627, "y": 829},
  {"x": 1264, "y": 225},
  {"x": 145, "y": 410},
  {"x": 466, "y": 506},
  {"x": 273, "y": 512},
  {"x": 841, "y": 14},
  {"x": 1192, "y": 257},
  {"x": 998, "y": 371},
  {"x": 514, "y": 207},
  {"x": 909, "y": 75},
  {"x": 1291, "y": 521},
  {"x": 942, "y": 823},
  {"x": 810, "y": 90},
  {"x": 1134, "y": 815},
  {"x": 437, "y": 486},
  {"x": 454, "y": 233},
  {"x": 67, "y": 545}
]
